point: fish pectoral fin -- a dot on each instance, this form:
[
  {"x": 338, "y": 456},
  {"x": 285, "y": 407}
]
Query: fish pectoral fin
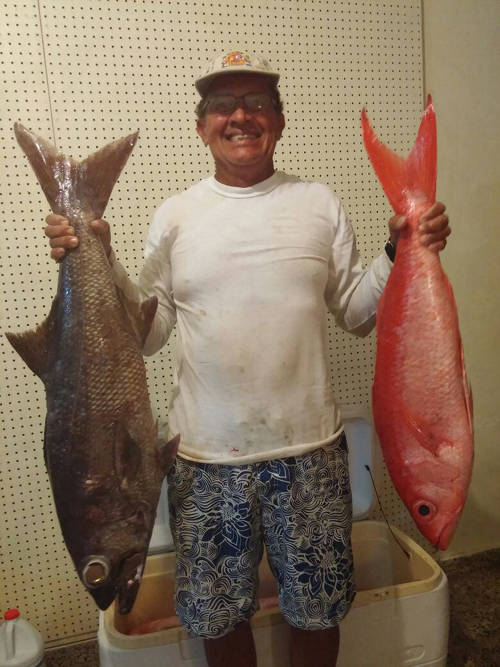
[
  {"x": 424, "y": 431},
  {"x": 167, "y": 452},
  {"x": 140, "y": 314},
  {"x": 128, "y": 456},
  {"x": 469, "y": 406}
]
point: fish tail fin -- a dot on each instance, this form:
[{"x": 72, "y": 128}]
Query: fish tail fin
[
  {"x": 406, "y": 182},
  {"x": 62, "y": 178}
]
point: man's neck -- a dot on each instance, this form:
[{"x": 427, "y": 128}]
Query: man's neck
[{"x": 245, "y": 179}]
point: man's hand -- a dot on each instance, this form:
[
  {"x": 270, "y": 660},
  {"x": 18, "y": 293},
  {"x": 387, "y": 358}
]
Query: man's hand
[
  {"x": 62, "y": 235},
  {"x": 433, "y": 227}
]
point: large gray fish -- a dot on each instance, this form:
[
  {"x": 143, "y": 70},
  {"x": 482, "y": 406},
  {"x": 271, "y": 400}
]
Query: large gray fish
[{"x": 102, "y": 452}]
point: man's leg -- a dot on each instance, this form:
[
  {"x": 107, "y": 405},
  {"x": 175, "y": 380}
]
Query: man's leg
[
  {"x": 307, "y": 527},
  {"x": 314, "y": 647},
  {"x": 236, "y": 649},
  {"x": 218, "y": 554}
]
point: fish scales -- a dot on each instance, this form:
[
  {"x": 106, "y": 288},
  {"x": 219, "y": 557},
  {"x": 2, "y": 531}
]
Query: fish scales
[
  {"x": 422, "y": 404},
  {"x": 102, "y": 452}
]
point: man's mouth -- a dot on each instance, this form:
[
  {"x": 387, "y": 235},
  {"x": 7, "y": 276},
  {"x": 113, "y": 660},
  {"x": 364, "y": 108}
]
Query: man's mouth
[{"x": 242, "y": 137}]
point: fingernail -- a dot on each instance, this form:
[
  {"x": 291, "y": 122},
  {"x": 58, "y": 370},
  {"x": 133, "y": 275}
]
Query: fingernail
[{"x": 73, "y": 241}]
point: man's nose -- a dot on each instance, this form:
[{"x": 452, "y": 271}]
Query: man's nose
[{"x": 240, "y": 113}]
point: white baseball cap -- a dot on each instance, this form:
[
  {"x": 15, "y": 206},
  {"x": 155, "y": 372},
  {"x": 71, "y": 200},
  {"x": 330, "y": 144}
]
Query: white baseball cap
[{"x": 234, "y": 61}]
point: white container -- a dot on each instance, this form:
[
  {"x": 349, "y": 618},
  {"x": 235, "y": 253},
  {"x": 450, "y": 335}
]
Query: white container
[
  {"x": 399, "y": 617},
  {"x": 21, "y": 645}
]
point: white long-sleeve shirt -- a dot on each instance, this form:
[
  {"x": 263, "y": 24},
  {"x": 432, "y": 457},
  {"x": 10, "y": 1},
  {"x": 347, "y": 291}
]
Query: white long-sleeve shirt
[{"x": 248, "y": 274}]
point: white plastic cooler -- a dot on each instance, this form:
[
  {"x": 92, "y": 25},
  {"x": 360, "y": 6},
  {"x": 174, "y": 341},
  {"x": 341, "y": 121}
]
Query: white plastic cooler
[{"x": 399, "y": 617}]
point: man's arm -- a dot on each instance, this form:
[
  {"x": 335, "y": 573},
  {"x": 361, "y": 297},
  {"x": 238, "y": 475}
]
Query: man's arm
[{"x": 352, "y": 292}]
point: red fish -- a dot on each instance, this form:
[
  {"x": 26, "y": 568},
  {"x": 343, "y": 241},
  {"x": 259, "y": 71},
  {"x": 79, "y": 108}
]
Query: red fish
[{"x": 422, "y": 403}]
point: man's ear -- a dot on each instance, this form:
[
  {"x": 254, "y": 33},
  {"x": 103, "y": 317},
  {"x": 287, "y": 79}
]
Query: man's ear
[
  {"x": 281, "y": 125},
  {"x": 200, "y": 128}
]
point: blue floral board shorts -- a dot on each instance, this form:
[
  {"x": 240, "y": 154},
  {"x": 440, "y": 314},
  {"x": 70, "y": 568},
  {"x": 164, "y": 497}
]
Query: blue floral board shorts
[{"x": 221, "y": 516}]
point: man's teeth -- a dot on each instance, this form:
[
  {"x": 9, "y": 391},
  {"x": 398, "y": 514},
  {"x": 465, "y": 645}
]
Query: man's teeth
[{"x": 241, "y": 137}]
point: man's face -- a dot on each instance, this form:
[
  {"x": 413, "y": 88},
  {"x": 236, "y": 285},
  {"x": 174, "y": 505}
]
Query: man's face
[{"x": 242, "y": 142}]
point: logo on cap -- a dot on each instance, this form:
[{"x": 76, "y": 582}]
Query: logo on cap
[{"x": 236, "y": 59}]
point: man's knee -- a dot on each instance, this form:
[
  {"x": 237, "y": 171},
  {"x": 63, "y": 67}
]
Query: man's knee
[{"x": 234, "y": 648}]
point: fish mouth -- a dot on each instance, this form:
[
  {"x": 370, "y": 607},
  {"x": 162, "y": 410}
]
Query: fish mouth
[
  {"x": 446, "y": 535},
  {"x": 130, "y": 580},
  {"x": 104, "y": 596}
]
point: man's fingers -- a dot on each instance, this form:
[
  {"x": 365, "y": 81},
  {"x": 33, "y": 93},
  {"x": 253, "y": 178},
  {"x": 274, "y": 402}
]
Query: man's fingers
[
  {"x": 57, "y": 253},
  {"x": 397, "y": 222},
  {"x": 53, "y": 231},
  {"x": 64, "y": 242},
  {"x": 437, "y": 247},
  {"x": 54, "y": 219},
  {"x": 436, "y": 238},
  {"x": 435, "y": 224},
  {"x": 436, "y": 209}
]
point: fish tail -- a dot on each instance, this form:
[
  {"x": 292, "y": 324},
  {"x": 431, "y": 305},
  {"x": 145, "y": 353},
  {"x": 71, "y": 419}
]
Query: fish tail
[
  {"x": 63, "y": 179},
  {"x": 410, "y": 180}
]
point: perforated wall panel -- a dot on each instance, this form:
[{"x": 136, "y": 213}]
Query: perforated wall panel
[{"x": 83, "y": 73}]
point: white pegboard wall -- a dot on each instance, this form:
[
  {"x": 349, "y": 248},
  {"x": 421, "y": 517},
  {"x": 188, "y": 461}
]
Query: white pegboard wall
[{"x": 85, "y": 72}]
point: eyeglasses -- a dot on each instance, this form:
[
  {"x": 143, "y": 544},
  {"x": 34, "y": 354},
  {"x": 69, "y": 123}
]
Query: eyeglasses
[{"x": 226, "y": 104}]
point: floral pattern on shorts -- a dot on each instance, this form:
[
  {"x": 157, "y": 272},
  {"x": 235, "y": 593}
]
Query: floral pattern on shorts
[{"x": 221, "y": 515}]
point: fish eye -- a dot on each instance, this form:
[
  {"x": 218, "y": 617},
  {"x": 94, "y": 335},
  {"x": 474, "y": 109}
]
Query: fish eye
[
  {"x": 96, "y": 571},
  {"x": 424, "y": 510}
]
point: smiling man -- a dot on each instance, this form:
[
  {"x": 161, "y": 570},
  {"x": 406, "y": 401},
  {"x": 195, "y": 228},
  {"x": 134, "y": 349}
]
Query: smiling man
[
  {"x": 247, "y": 263},
  {"x": 241, "y": 121}
]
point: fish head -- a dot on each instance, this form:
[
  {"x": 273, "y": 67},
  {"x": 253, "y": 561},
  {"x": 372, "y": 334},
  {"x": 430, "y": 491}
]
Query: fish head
[
  {"x": 112, "y": 557},
  {"x": 106, "y": 580},
  {"x": 436, "y": 510}
]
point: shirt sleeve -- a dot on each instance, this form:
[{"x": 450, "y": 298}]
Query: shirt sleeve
[
  {"x": 352, "y": 292},
  {"x": 155, "y": 280}
]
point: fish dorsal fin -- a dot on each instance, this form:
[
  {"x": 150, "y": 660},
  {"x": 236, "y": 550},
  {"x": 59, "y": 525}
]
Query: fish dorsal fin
[
  {"x": 33, "y": 345},
  {"x": 140, "y": 314},
  {"x": 410, "y": 181},
  {"x": 65, "y": 181}
]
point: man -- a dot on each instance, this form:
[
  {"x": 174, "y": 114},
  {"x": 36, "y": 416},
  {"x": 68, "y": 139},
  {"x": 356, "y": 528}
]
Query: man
[{"x": 246, "y": 263}]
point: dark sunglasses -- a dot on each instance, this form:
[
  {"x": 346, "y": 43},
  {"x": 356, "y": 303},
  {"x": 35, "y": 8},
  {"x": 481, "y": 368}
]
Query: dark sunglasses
[{"x": 226, "y": 104}]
